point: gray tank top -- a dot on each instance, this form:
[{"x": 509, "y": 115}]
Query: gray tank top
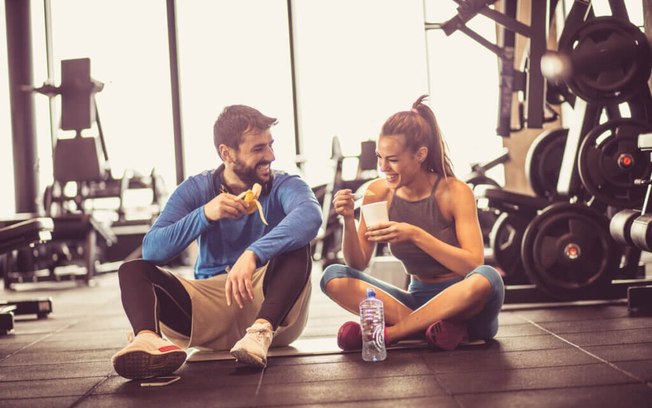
[{"x": 426, "y": 215}]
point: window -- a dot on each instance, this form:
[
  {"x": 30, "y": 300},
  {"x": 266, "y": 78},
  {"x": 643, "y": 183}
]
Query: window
[
  {"x": 233, "y": 52},
  {"x": 127, "y": 44}
]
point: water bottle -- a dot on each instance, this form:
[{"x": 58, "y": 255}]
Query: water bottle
[{"x": 372, "y": 322}]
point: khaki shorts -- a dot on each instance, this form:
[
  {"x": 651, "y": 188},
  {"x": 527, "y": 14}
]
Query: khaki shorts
[{"x": 216, "y": 326}]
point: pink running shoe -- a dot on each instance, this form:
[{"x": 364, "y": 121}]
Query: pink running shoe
[
  {"x": 349, "y": 336},
  {"x": 446, "y": 335}
]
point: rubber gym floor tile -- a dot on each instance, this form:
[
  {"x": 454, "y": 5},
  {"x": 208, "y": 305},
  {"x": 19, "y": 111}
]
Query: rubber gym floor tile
[
  {"x": 532, "y": 342},
  {"x": 642, "y": 369},
  {"x": 69, "y": 354},
  {"x": 395, "y": 365},
  {"x": 316, "y": 359},
  {"x": 37, "y": 358},
  {"x": 366, "y": 391},
  {"x": 515, "y": 330},
  {"x": 614, "y": 337},
  {"x": 117, "y": 338},
  {"x": 264, "y": 393},
  {"x": 481, "y": 361},
  {"x": 117, "y": 324},
  {"x": 622, "y": 352},
  {"x": 56, "y": 371},
  {"x": 42, "y": 326},
  {"x": 577, "y": 312},
  {"x": 420, "y": 402},
  {"x": 46, "y": 402},
  {"x": 8, "y": 349},
  {"x": 47, "y": 388},
  {"x": 604, "y": 396},
  {"x": 594, "y": 325},
  {"x": 82, "y": 344},
  {"x": 533, "y": 378}
]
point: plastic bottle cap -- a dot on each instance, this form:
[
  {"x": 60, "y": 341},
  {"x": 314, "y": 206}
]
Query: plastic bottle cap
[{"x": 371, "y": 293}]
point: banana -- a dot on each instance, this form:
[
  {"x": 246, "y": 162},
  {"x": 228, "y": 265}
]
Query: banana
[{"x": 250, "y": 197}]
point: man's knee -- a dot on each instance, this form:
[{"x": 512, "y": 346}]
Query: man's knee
[
  {"x": 298, "y": 260},
  {"x": 134, "y": 267}
]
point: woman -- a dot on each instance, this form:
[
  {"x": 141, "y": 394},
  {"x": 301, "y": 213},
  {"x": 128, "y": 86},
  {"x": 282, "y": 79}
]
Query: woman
[{"x": 433, "y": 230}]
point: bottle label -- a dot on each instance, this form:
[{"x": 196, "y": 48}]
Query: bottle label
[{"x": 379, "y": 337}]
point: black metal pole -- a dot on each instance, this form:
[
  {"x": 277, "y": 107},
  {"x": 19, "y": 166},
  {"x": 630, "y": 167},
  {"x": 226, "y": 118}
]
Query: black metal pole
[
  {"x": 298, "y": 146},
  {"x": 506, "y": 67},
  {"x": 19, "y": 55},
  {"x": 49, "y": 58},
  {"x": 176, "y": 94},
  {"x": 647, "y": 24}
]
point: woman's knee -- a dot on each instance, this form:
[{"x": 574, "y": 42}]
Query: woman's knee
[
  {"x": 491, "y": 276},
  {"x": 331, "y": 275}
]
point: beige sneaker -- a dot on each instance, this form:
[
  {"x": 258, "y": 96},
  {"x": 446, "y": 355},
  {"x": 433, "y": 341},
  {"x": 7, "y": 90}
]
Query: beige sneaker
[
  {"x": 252, "y": 348},
  {"x": 148, "y": 355}
]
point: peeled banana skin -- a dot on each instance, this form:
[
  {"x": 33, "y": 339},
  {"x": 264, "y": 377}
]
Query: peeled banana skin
[{"x": 250, "y": 197}]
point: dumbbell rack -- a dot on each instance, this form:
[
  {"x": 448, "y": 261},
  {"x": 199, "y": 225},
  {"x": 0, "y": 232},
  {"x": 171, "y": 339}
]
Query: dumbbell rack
[
  {"x": 562, "y": 238},
  {"x": 634, "y": 228}
]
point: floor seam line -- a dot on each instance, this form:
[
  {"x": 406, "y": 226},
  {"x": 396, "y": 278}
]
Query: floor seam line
[
  {"x": 40, "y": 339},
  {"x": 260, "y": 381},
  {"x": 602, "y": 360}
]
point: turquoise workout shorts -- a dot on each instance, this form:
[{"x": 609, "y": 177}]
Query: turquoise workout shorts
[{"x": 482, "y": 326}]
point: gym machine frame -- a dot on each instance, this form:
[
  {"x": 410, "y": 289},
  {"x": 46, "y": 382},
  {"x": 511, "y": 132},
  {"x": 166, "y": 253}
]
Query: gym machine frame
[
  {"x": 79, "y": 238},
  {"x": 567, "y": 200},
  {"x": 14, "y": 236}
]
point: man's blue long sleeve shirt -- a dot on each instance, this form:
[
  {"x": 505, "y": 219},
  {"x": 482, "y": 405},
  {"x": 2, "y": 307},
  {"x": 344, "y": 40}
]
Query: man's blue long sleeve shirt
[{"x": 291, "y": 209}]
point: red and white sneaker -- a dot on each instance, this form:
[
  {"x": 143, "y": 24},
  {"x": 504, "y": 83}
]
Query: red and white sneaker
[
  {"x": 148, "y": 355},
  {"x": 446, "y": 335}
]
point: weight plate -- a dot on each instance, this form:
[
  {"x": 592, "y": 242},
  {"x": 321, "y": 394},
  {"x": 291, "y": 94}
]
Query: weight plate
[
  {"x": 505, "y": 241},
  {"x": 610, "y": 60},
  {"x": 543, "y": 162},
  {"x": 609, "y": 161},
  {"x": 568, "y": 253}
]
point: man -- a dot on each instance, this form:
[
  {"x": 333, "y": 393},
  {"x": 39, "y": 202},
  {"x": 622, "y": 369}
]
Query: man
[{"x": 248, "y": 275}]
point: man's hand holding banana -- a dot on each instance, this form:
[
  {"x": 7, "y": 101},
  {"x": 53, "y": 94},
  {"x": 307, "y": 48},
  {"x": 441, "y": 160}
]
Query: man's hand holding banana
[
  {"x": 227, "y": 205},
  {"x": 250, "y": 197}
]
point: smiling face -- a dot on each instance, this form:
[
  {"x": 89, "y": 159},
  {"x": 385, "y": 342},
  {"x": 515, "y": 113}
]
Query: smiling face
[
  {"x": 399, "y": 164},
  {"x": 252, "y": 160}
]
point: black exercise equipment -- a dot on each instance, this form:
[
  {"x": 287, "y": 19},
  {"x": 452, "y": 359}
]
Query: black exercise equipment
[
  {"x": 639, "y": 299},
  {"x": 505, "y": 238},
  {"x": 583, "y": 174},
  {"x": 14, "y": 236},
  {"x": 631, "y": 226},
  {"x": 73, "y": 247},
  {"x": 609, "y": 59},
  {"x": 609, "y": 162},
  {"x": 84, "y": 242},
  {"x": 568, "y": 253},
  {"x": 621, "y": 224},
  {"x": 543, "y": 162},
  {"x": 529, "y": 81},
  {"x": 478, "y": 176},
  {"x": 479, "y": 181}
]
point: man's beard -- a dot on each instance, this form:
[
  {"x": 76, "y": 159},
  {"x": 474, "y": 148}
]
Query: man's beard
[{"x": 249, "y": 175}]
